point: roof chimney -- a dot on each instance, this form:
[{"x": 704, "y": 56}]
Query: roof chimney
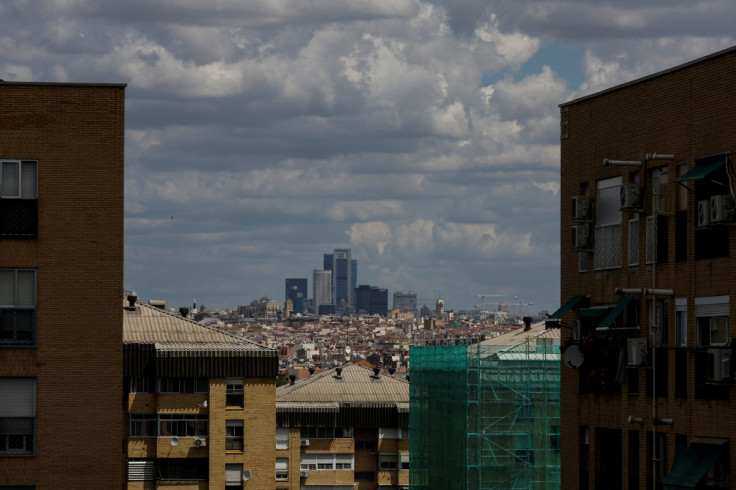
[
  {"x": 527, "y": 323},
  {"x": 292, "y": 378},
  {"x": 184, "y": 311},
  {"x": 311, "y": 370},
  {"x": 132, "y": 298}
]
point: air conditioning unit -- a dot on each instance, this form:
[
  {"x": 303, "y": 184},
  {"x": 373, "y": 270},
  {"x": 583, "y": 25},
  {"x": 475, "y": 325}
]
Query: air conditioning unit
[
  {"x": 200, "y": 442},
  {"x": 303, "y": 474},
  {"x": 719, "y": 364},
  {"x": 304, "y": 442},
  {"x": 721, "y": 208},
  {"x": 630, "y": 197},
  {"x": 581, "y": 209},
  {"x": 637, "y": 352},
  {"x": 703, "y": 213},
  {"x": 581, "y": 237}
]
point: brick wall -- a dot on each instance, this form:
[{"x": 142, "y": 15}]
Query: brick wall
[{"x": 75, "y": 132}]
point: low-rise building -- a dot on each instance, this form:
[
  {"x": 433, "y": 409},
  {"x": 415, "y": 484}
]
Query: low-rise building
[
  {"x": 199, "y": 404},
  {"x": 344, "y": 428}
]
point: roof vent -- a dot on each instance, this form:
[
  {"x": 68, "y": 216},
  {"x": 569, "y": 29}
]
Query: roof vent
[
  {"x": 339, "y": 373},
  {"x": 132, "y": 298},
  {"x": 391, "y": 371},
  {"x": 184, "y": 311},
  {"x": 292, "y": 378},
  {"x": 527, "y": 323},
  {"x": 311, "y": 370},
  {"x": 375, "y": 373},
  {"x": 160, "y": 304}
]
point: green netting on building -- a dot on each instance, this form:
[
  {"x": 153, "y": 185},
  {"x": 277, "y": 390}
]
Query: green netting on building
[{"x": 485, "y": 417}]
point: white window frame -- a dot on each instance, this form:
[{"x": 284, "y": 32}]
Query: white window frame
[
  {"x": 18, "y": 293},
  {"x": 282, "y": 469},
  {"x": 716, "y": 310},
  {"x": 327, "y": 462},
  {"x": 282, "y": 438},
  {"x": 388, "y": 461},
  {"x": 681, "y": 322},
  {"x": 17, "y": 409},
  {"x": 403, "y": 461},
  {"x": 26, "y": 178}
]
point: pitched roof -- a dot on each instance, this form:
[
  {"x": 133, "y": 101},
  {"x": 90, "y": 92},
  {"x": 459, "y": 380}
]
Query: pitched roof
[
  {"x": 355, "y": 386},
  {"x": 174, "y": 333}
]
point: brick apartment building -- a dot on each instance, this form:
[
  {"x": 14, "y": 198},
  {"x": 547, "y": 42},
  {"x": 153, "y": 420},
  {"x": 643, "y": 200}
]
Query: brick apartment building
[
  {"x": 61, "y": 247},
  {"x": 200, "y": 405},
  {"x": 648, "y": 259},
  {"x": 343, "y": 429}
]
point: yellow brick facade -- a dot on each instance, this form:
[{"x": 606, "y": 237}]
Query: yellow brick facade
[{"x": 75, "y": 134}]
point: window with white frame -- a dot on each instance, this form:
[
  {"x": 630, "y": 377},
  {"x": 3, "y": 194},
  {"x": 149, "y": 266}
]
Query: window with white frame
[
  {"x": 18, "y": 198},
  {"x": 234, "y": 392},
  {"x": 17, "y": 307},
  {"x": 607, "y": 240},
  {"x": 233, "y": 435},
  {"x": 17, "y": 416},
  {"x": 711, "y": 320},
  {"x": 327, "y": 462},
  {"x": 282, "y": 438},
  {"x": 404, "y": 461},
  {"x": 282, "y": 468},
  {"x": 681, "y": 322},
  {"x": 388, "y": 461}
]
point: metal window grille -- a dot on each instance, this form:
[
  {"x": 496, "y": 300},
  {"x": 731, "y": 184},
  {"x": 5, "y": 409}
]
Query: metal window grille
[
  {"x": 651, "y": 240},
  {"x": 583, "y": 262},
  {"x": 633, "y": 242},
  {"x": 607, "y": 251}
]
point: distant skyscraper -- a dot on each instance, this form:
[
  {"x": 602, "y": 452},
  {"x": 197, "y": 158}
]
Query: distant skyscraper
[
  {"x": 406, "y": 302},
  {"x": 322, "y": 288},
  {"x": 371, "y": 300},
  {"x": 344, "y": 277},
  {"x": 296, "y": 291}
]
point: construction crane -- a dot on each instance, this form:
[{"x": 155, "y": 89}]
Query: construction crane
[
  {"x": 520, "y": 306},
  {"x": 484, "y": 296}
]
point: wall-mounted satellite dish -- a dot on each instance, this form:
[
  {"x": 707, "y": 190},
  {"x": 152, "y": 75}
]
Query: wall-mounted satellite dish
[
  {"x": 246, "y": 475},
  {"x": 574, "y": 357},
  {"x": 174, "y": 441}
]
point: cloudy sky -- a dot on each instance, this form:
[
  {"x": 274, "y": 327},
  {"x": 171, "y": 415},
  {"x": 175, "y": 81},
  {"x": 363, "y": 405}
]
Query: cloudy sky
[{"x": 422, "y": 134}]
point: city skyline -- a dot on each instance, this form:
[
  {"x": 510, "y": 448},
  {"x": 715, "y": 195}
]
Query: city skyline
[{"x": 423, "y": 135}]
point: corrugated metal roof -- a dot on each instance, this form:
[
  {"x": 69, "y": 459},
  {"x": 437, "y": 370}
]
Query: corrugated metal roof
[
  {"x": 355, "y": 385},
  {"x": 174, "y": 335}
]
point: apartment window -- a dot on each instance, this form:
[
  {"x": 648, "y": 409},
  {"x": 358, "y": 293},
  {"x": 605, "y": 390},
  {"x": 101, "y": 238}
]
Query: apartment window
[
  {"x": 404, "y": 461},
  {"x": 233, "y": 475},
  {"x": 142, "y": 384},
  {"x": 141, "y": 470},
  {"x": 554, "y": 437},
  {"x": 634, "y": 242},
  {"x": 282, "y": 438},
  {"x": 17, "y": 307},
  {"x": 182, "y": 385},
  {"x": 234, "y": 393},
  {"x": 711, "y": 320},
  {"x": 366, "y": 445},
  {"x": 657, "y": 322},
  {"x": 327, "y": 432},
  {"x": 326, "y": 462},
  {"x": 607, "y": 241},
  {"x": 681, "y": 322},
  {"x": 142, "y": 425},
  {"x": 393, "y": 433},
  {"x": 233, "y": 435},
  {"x": 282, "y": 468},
  {"x": 660, "y": 195},
  {"x": 17, "y": 416},
  {"x": 181, "y": 469},
  {"x": 182, "y": 425},
  {"x": 388, "y": 461},
  {"x": 18, "y": 199},
  {"x": 365, "y": 476}
]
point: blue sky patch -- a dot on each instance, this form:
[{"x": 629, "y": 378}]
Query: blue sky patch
[{"x": 565, "y": 59}]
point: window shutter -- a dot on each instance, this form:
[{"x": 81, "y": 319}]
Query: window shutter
[
  {"x": 29, "y": 180},
  {"x": 26, "y": 290},
  {"x": 17, "y": 397},
  {"x": 7, "y": 287},
  {"x": 711, "y": 306},
  {"x": 9, "y": 179},
  {"x": 282, "y": 464},
  {"x": 609, "y": 202},
  {"x": 233, "y": 473}
]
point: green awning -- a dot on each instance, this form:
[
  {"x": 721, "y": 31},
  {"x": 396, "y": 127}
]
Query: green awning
[
  {"x": 593, "y": 311},
  {"x": 554, "y": 318},
  {"x": 615, "y": 312},
  {"x": 703, "y": 170},
  {"x": 691, "y": 464}
]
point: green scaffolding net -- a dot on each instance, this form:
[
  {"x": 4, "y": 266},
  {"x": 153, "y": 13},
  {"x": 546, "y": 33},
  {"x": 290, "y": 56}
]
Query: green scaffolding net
[{"x": 485, "y": 417}]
